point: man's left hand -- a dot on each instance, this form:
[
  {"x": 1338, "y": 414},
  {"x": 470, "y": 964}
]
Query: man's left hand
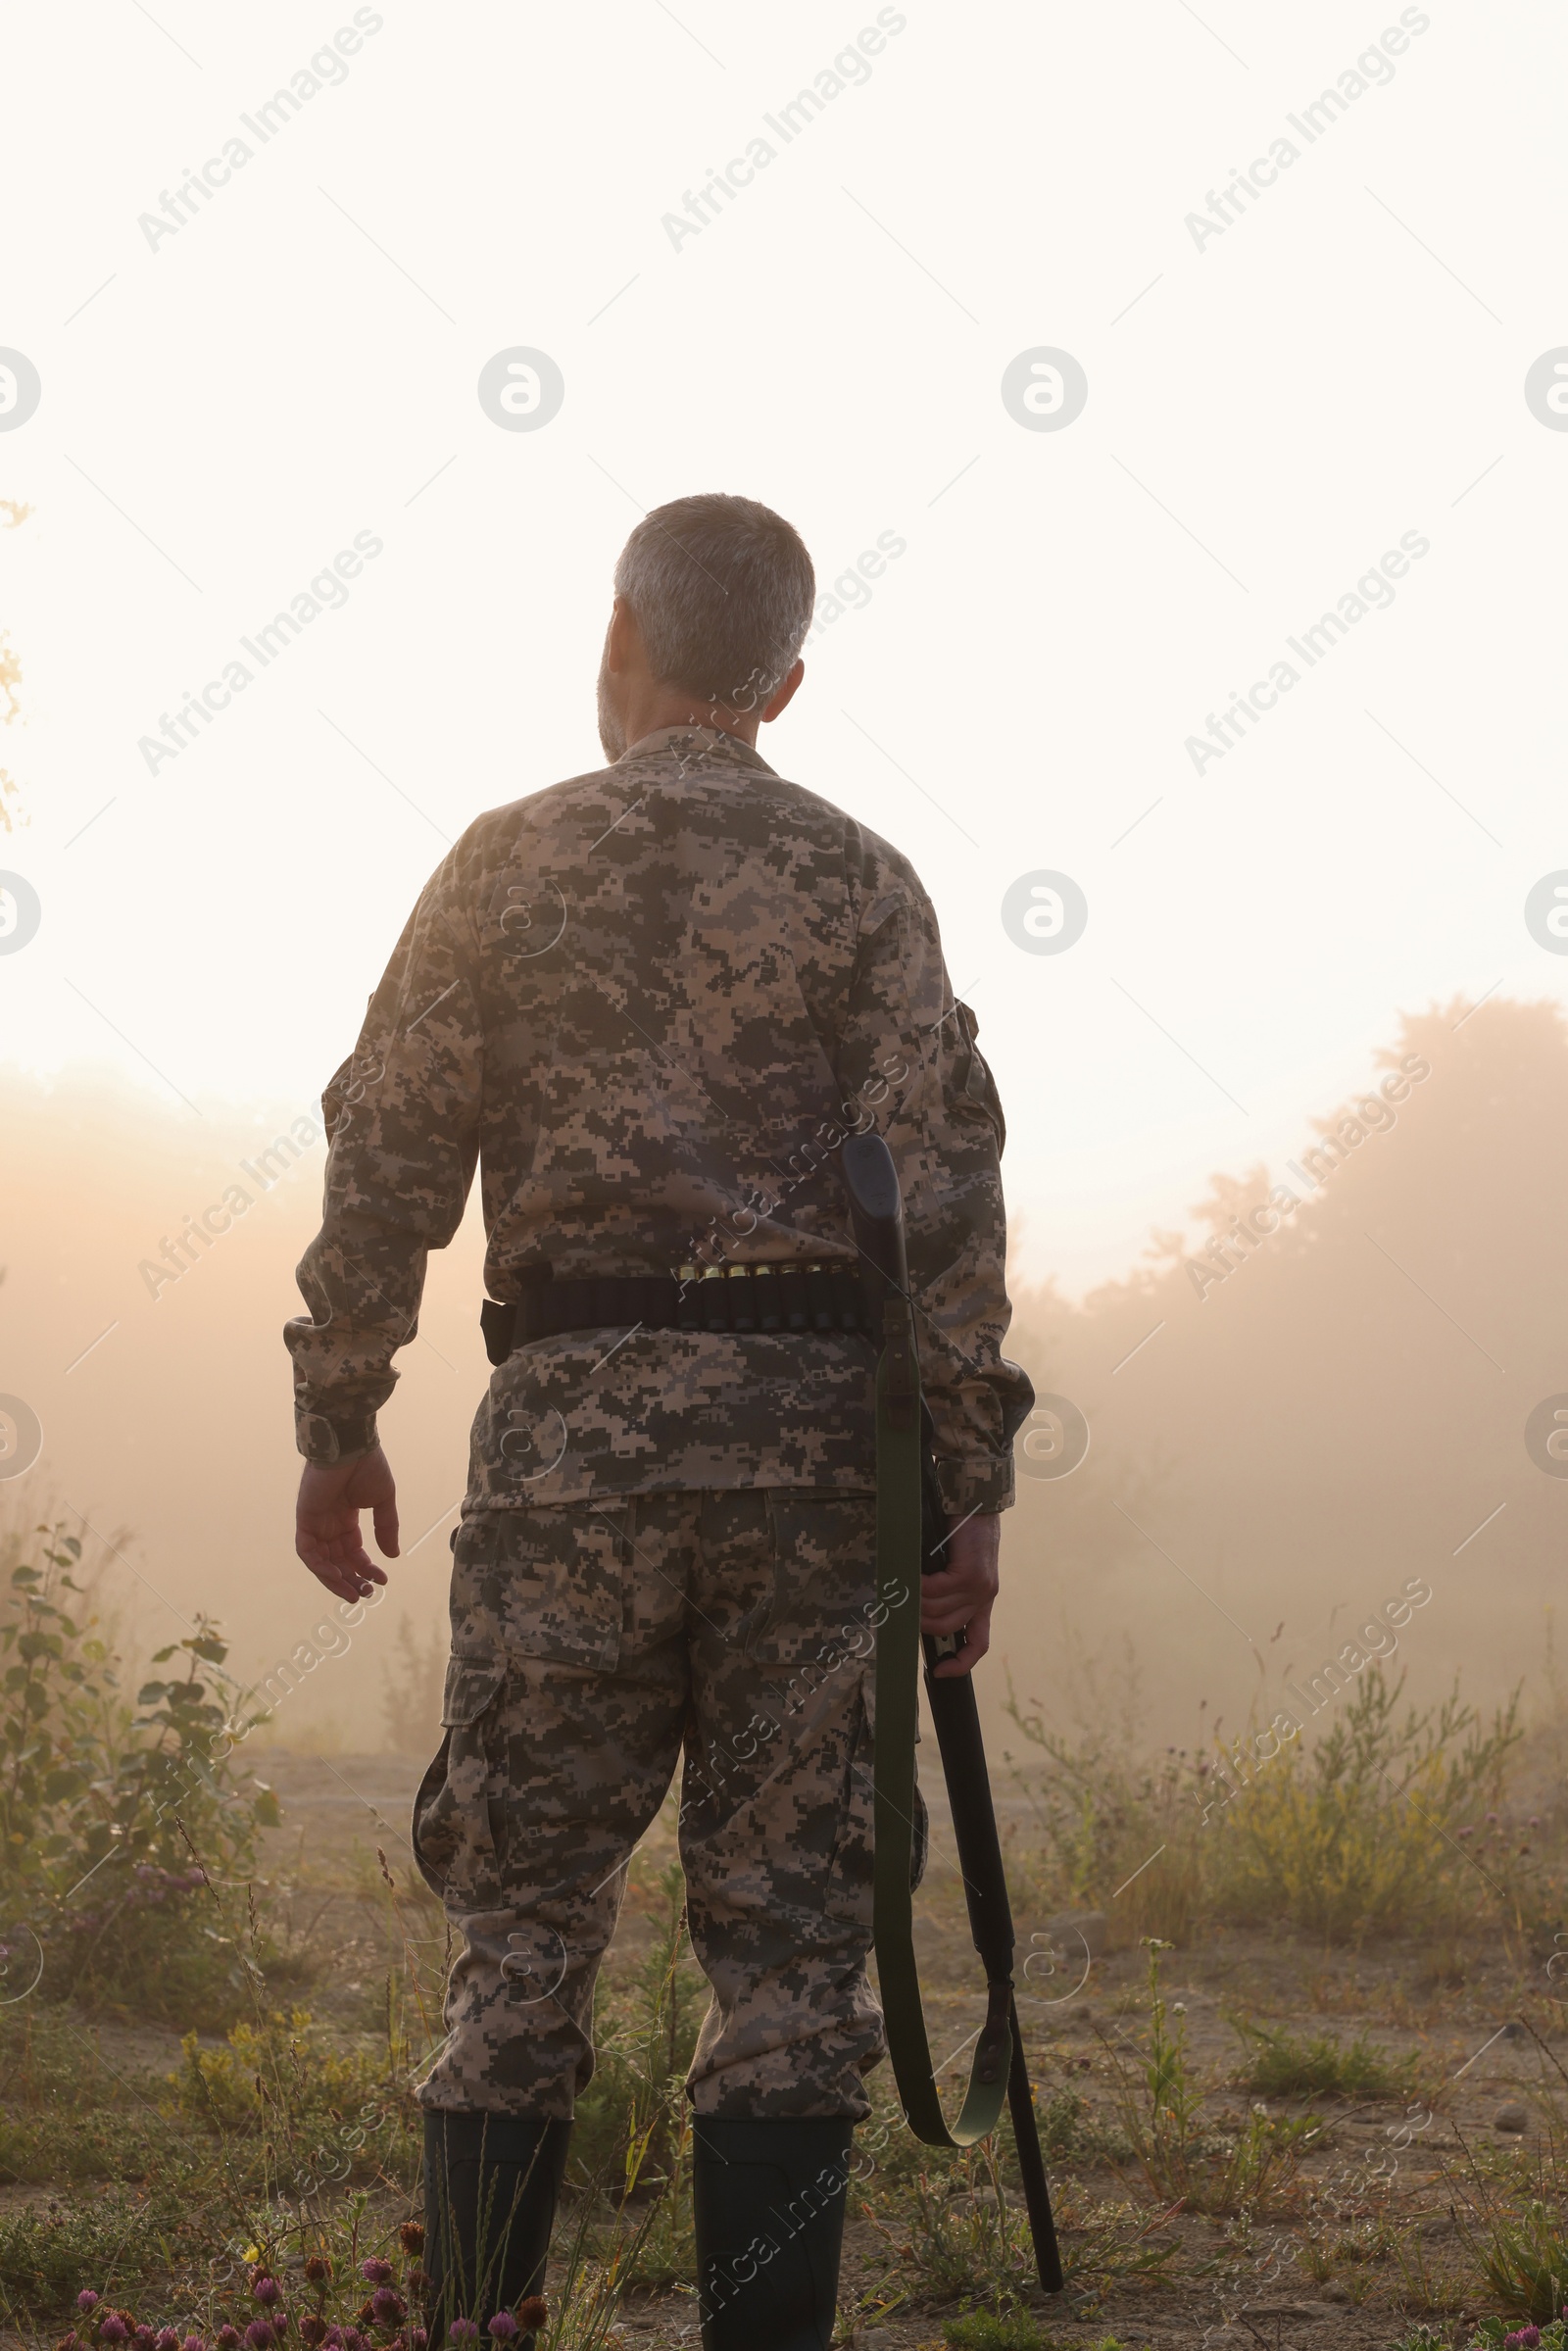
[
  {"x": 960, "y": 1599},
  {"x": 326, "y": 1522}
]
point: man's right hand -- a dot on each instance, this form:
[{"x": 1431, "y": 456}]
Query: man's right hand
[
  {"x": 326, "y": 1522},
  {"x": 961, "y": 1597}
]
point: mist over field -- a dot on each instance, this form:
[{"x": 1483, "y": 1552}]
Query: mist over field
[
  {"x": 1283, "y": 1434},
  {"x": 1172, "y": 400}
]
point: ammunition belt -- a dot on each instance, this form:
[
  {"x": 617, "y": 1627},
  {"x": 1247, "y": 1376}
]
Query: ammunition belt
[{"x": 739, "y": 1297}]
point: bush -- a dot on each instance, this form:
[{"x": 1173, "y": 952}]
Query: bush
[
  {"x": 1384, "y": 1825},
  {"x": 322, "y": 2114},
  {"x": 1097, "y": 1818},
  {"x": 121, "y": 1822},
  {"x": 1365, "y": 1831}
]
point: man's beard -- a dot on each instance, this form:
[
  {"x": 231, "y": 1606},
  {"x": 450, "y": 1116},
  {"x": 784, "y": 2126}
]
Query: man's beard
[{"x": 611, "y": 734}]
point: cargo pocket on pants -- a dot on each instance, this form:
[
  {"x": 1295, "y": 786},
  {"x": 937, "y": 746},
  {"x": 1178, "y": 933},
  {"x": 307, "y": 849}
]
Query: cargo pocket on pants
[{"x": 454, "y": 1824}]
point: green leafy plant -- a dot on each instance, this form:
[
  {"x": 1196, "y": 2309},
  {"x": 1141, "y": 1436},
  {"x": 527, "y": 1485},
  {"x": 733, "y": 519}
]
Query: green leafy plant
[
  {"x": 117, "y": 1819},
  {"x": 1522, "y": 2252},
  {"x": 1496, "y": 2334}
]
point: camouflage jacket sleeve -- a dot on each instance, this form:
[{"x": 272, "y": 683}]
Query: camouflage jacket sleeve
[
  {"x": 942, "y": 1122},
  {"x": 403, "y": 1124}
]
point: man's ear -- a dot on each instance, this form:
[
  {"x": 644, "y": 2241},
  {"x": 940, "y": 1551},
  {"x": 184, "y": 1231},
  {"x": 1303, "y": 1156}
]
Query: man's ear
[
  {"x": 625, "y": 641},
  {"x": 785, "y": 693}
]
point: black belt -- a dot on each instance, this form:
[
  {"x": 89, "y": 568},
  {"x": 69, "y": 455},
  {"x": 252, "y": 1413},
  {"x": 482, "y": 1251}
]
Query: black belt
[{"x": 772, "y": 1298}]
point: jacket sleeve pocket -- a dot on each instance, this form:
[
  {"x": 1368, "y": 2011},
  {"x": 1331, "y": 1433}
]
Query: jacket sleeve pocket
[{"x": 972, "y": 1074}]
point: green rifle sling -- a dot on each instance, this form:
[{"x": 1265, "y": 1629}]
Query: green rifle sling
[{"x": 899, "y": 1444}]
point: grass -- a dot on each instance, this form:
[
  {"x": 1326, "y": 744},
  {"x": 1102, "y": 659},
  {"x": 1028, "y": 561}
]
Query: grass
[
  {"x": 281, "y": 2129},
  {"x": 168, "y": 2192},
  {"x": 1072, "y": 2132},
  {"x": 129, "y": 2237},
  {"x": 1320, "y": 2066},
  {"x": 1512, "y": 2212},
  {"x": 1250, "y": 2169},
  {"x": 270, "y": 2141},
  {"x": 983, "y": 2331}
]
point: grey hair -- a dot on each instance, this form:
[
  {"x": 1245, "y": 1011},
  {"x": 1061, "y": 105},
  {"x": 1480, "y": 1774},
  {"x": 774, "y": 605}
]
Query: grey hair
[{"x": 722, "y": 590}]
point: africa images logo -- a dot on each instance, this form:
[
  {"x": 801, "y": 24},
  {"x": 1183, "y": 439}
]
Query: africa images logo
[
  {"x": 521, "y": 388},
  {"x": 1044, "y": 913},
  {"x": 21, "y": 913},
  {"x": 21, "y": 389}
]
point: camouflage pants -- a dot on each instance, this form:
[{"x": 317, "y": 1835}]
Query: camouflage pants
[{"x": 591, "y": 1646}]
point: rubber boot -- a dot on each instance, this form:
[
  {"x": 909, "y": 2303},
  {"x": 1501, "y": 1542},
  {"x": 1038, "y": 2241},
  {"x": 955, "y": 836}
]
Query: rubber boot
[
  {"x": 769, "y": 2202},
  {"x": 491, "y": 2183}
]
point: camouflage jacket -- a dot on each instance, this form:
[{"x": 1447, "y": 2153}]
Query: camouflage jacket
[{"x": 649, "y": 1003}]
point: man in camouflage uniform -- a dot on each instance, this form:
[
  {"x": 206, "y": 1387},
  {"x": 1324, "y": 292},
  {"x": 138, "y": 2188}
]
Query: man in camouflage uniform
[{"x": 649, "y": 1003}]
